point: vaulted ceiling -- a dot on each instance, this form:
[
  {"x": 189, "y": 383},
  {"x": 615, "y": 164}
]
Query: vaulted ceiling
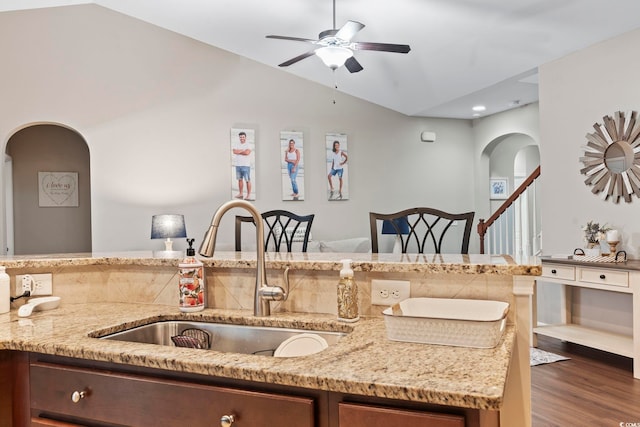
[{"x": 463, "y": 52}]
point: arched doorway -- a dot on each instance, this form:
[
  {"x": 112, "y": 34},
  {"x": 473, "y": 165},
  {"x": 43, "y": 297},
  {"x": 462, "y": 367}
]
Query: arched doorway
[
  {"x": 50, "y": 190},
  {"x": 510, "y": 159}
]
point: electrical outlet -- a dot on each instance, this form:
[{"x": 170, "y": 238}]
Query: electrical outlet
[
  {"x": 389, "y": 292},
  {"x": 24, "y": 283},
  {"x": 37, "y": 284}
]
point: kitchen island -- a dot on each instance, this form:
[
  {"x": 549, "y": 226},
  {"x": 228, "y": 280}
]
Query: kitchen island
[{"x": 102, "y": 293}]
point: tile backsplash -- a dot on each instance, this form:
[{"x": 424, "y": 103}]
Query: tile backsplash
[{"x": 311, "y": 291}]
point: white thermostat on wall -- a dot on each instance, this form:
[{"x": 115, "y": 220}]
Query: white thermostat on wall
[{"x": 427, "y": 136}]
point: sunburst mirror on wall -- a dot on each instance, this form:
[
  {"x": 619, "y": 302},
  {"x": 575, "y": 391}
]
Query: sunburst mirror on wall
[{"x": 611, "y": 160}]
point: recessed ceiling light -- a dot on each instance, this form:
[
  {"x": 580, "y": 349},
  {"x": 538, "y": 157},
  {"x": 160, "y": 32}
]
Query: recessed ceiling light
[
  {"x": 479, "y": 108},
  {"x": 476, "y": 114}
]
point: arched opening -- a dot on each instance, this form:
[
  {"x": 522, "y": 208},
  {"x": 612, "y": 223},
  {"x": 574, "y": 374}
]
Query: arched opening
[
  {"x": 510, "y": 159},
  {"x": 48, "y": 191}
]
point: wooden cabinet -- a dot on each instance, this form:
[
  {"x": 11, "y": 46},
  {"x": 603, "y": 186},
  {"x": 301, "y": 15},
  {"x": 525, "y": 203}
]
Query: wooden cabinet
[
  {"x": 622, "y": 278},
  {"x": 82, "y": 395},
  {"x": 64, "y": 392}
]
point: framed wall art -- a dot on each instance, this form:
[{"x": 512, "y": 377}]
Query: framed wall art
[
  {"x": 243, "y": 164},
  {"x": 58, "y": 189},
  {"x": 292, "y": 165},
  {"x": 337, "y": 163},
  {"x": 499, "y": 188}
]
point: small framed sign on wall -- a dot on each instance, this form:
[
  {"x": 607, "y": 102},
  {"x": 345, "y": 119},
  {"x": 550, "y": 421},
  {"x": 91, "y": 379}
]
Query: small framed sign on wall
[
  {"x": 499, "y": 188},
  {"x": 58, "y": 189}
]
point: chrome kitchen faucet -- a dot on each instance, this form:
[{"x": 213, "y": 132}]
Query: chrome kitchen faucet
[{"x": 263, "y": 292}]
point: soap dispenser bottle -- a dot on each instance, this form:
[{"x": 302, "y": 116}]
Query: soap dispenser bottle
[
  {"x": 5, "y": 291},
  {"x": 347, "y": 294},
  {"x": 191, "y": 281}
]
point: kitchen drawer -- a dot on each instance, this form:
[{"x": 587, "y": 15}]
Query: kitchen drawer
[
  {"x": 357, "y": 415},
  {"x": 556, "y": 271},
  {"x": 604, "y": 276},
  {"x": 43, "y": 422},
  {"x": 133, "y": 400}
]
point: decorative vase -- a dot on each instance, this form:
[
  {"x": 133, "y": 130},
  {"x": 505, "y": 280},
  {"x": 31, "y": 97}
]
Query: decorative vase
[{"x": 592, "y": 249}]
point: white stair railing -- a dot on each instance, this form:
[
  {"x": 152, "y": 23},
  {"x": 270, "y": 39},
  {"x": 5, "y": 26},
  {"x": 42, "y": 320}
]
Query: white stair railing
[{"x": 513, "y": 229}]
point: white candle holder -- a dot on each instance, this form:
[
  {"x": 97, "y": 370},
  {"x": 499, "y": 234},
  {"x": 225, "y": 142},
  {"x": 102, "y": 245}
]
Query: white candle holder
[{"x": 613, "y": 238}]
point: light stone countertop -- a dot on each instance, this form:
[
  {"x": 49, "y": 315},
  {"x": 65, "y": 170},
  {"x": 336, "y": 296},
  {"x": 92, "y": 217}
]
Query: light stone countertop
[
  {"x": 428, "y": 263},
  {"x": 363, "y": 362}
]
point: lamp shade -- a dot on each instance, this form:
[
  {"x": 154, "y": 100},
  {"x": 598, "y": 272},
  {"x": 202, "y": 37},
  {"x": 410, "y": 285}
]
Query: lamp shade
[
  {"x": 401, "y": 226},
  {"x": 166, "y": 226},
  {"x": 334, "y": 56}
]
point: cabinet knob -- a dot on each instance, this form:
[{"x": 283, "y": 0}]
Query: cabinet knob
[
  {"x": 77, "y": 395},
  {"x": 227, "y": 420},
  {"x": 602, "y": 276},
  {"x": 554, "y": 271}
]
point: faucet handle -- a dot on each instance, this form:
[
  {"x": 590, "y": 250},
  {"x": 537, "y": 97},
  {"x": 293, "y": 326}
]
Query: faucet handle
[{"x": 276, "y": 293}]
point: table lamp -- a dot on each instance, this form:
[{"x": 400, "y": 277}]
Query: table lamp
[
  {"x": 168, "y": 226},
  {"x": 398, "y": 226}
]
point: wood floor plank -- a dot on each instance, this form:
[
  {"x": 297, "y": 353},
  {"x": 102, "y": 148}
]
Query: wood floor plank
[{"x": 593, "y": 388}]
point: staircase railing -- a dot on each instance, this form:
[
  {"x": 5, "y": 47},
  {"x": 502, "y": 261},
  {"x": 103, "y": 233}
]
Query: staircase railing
[{"x": 483, "y": 225}]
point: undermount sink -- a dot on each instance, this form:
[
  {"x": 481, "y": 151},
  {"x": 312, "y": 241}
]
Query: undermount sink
[{"x": 228, "y": 338}]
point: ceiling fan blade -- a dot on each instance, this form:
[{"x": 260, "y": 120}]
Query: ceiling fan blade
[
  {"x": 296, "y": 39},
  {"x": 384, "y": 47},
  {"x": 349, "y": 30},
  {"x": 353, "y": 65},
  {"x": 297, "y": 58}
]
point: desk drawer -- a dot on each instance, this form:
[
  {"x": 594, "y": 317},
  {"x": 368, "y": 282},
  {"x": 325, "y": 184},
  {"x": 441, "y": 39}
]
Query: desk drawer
[
  {"x": 604, "y": 276},
  {"x": 555, "y": 271}
]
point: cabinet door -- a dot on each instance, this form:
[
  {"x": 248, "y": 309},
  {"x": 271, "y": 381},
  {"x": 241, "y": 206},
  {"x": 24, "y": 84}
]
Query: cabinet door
[
  {"x": 133, "y": 400},
  {"x": 354, "y": 415}
]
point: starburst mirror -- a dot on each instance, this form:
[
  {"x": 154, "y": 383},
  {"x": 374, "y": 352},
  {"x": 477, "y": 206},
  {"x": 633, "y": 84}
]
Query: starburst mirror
[{"x": 611, "y": 160}]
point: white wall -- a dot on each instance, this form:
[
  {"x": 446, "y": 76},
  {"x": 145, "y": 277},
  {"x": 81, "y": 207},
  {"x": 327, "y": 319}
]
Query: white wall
[
  {"x": 576, "y": 92},
  {"x": 519, "y": 126},
  {"x": 156, "y": 109}
]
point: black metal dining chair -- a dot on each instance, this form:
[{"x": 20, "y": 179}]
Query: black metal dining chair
[
  {"x": 282, "y": 229},
  {"x": 423, "y": 230}
]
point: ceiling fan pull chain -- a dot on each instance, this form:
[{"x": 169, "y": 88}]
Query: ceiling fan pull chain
[{"x": 335, "y": 85}]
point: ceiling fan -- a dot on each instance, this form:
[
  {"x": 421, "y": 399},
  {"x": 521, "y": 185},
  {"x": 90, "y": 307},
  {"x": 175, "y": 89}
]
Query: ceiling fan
[{"x": 335, "y": 47}]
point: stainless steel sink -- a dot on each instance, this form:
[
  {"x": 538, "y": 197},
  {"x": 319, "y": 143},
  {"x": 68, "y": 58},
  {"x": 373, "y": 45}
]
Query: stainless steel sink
[{"x": 229, "y": 338}]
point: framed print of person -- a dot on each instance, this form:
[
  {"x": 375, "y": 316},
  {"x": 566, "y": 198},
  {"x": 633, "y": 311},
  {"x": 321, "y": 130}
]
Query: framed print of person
[
  {"x": 292, "y": 165},
  {"x": 243, "y": 165},
  {"x": 337, "y": 159}
]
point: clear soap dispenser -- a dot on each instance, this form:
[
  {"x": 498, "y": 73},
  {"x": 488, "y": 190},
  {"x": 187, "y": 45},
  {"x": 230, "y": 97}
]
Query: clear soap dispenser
[
  {"x": 347, "y": 294},
  {"x": 191, "y": 281}
]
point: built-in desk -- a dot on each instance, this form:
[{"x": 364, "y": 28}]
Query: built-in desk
[{"x": 622, "y": 277}]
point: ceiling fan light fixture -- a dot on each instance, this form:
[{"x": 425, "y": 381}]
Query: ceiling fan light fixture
[{"x": 334, "y": 56}]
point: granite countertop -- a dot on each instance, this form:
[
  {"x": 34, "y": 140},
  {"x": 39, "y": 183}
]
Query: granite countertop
[
  {"x": 428, "y": 263},
  {"x": 363, "y": 362}
]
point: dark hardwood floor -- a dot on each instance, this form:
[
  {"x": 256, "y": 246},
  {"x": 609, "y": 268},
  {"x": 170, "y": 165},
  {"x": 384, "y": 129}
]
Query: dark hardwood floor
[{"x": 593, "y": 389}]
